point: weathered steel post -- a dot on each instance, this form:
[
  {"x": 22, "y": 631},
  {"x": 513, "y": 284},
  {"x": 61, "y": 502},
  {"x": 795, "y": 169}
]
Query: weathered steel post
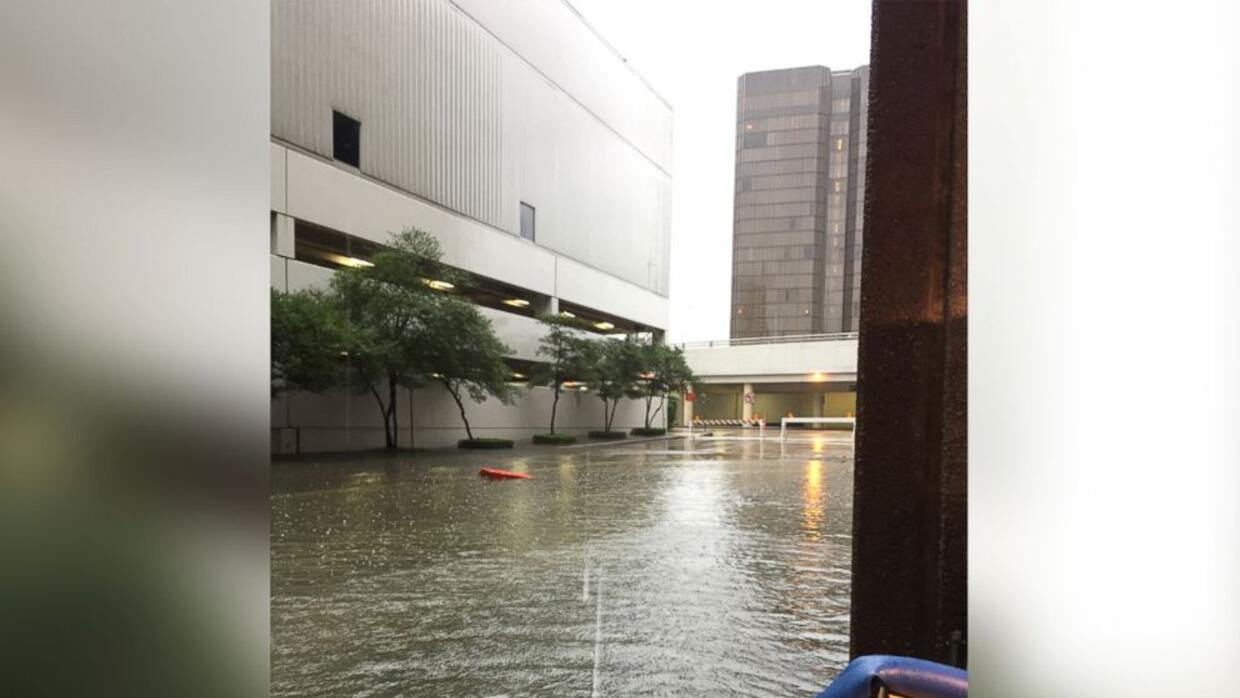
[{"x": 910, "y": 526}]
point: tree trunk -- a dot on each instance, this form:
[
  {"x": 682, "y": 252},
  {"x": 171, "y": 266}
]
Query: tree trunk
[
  {"x": 394, "y": 441},
  {"x": 383, "y": 410},
  {"x": 610, "y": 417},
  {"x": 555, "y": 403},
  {"x": 469, "y": 434},
  {"x": 662, "y": 399},
  {"x": 649, "y": 399}
]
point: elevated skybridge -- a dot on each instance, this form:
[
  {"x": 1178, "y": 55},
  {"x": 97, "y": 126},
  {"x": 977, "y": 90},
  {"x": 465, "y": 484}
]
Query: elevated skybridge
[{"x": 805, "y": 375}]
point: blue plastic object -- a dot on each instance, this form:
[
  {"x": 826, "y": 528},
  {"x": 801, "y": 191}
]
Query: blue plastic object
[{"x": 904, "y": 676}]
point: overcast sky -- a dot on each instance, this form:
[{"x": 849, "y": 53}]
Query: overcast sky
[{"x": 692, "y": 51}]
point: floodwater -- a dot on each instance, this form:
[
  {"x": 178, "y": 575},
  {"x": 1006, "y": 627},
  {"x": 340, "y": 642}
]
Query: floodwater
[{"x": 675, "y": 568}]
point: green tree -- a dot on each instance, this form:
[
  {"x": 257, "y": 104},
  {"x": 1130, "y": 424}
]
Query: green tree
[
  {"x": 465, "y": 356},
  {"x": 567, "y": 358},
  {"x": 663, "y": 370},
  {"x": 391, "y": 314},
  {"x": 616, "y": 365},
  {"x": 309, "y": 338}
]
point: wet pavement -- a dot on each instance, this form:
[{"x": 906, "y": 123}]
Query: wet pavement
[{"x": 713, "y": 567}]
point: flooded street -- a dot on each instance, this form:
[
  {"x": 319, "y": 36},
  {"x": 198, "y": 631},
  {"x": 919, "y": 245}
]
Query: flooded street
[{"x": 675, "y": 568}]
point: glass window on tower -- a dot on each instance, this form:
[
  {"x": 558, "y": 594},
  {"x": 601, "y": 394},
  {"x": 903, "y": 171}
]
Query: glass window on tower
[{"x": 527, "y": 221}]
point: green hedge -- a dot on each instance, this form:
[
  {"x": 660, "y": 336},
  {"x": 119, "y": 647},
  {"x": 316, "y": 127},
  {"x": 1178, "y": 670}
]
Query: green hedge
[
  {"x": 554, "y": 439},
  {"x": 608, "y": 435},
  {"x": 652, "y": 431},
  {"x": 484, "y": 443}
]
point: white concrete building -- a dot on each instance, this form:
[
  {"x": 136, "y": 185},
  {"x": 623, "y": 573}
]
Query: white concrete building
[{"x": 513, "y": 133}]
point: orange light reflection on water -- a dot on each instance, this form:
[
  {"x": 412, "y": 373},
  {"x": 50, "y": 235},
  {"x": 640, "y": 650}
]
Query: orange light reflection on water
[{"x": 811, "y": 500}]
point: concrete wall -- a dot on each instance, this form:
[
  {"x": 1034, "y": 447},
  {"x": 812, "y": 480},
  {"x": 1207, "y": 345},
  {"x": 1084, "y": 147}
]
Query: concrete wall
[
  {"x": 343, "y": 421},
  {"x": 834, "y": 360},
  {"x": 476, "y": 107},
  {"x": 318, "y": 191}
]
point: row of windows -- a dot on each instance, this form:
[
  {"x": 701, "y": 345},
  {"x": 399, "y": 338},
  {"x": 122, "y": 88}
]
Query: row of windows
[
  {"x": 800, "y": 296},
  {"x": 806, "y": 78},
  {"x": 781, "y": 152},
  {"x": 800, "y": 179},
  {"x": 782, "y": 123},
  {"x": 754, "y": 302},
  {"x": 764, "y": 282},
  {"x": 781, "y": 196},
  {"x": 774, "y": 254},
  {"x": 778, "y": 225},
  {"x": 777, "y": 167},
  {"x": 748, "y": 114},
  {"x": 768, "y": 268},
  {"x": 796, "y": 237},
  {"x": 772, "y": 310},
  {"x": 774, "y": 210},
  {"x": 762, "y": 139},
  {"x": 782, "y": 99}
]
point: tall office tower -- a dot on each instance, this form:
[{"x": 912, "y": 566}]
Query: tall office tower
[{"x": 800, "y": 184}]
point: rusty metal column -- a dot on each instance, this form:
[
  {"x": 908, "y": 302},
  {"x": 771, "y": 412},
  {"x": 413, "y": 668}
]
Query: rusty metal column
[{"x": 909, "y": 517}]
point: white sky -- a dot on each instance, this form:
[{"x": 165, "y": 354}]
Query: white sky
[{"x": 692, "y": 52}]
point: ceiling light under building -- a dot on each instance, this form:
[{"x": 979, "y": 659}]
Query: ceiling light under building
[
  {"x": 604, "y": 325},
  {"x": 357, "y": 263},
  {"x": 440, "y": 285},
  {"x": 565, "y": 313},
  {"x": 518, "y": 375},
  {"x": 517, "y": 302}
]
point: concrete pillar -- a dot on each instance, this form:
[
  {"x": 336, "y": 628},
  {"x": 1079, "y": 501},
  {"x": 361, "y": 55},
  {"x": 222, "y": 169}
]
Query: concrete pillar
[
  {"x": 547, "y": 305},
  {"x": 688, "y": 411},
  {"x": 746, "y": 405},
  {"x": 819, "y": 399},
  {"x": 282, "y": 235},
  {"x": 909, "y": 497}
]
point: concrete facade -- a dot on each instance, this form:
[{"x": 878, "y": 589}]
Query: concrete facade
[{"x": 469, "y": 114}]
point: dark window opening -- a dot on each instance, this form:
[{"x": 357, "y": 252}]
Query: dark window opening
[
  {"x": 527, "y": 221},
  {"x": 346, "y": 139}
]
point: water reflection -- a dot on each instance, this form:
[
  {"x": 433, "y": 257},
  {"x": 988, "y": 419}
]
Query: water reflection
[
  {"x": 724, "y": 565},
  {"x": 811, "y": 495}
]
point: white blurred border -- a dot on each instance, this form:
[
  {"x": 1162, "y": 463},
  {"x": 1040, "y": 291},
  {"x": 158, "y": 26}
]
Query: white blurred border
[{"x": 1104, "y": 173}]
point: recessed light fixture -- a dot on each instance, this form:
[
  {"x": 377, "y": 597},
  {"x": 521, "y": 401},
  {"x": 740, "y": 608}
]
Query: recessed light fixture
[
  {"x": 440, "y": 285},
  {"x": 565, "y": 313},
  {"x": 358, "y": 263},
  {"x": 604, "y": 325},
  {"x": 517, "y": 302},
  {"x": 518, "y": 375}
]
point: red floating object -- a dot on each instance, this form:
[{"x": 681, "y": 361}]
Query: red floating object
[{"x": 498, "y": 474}]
